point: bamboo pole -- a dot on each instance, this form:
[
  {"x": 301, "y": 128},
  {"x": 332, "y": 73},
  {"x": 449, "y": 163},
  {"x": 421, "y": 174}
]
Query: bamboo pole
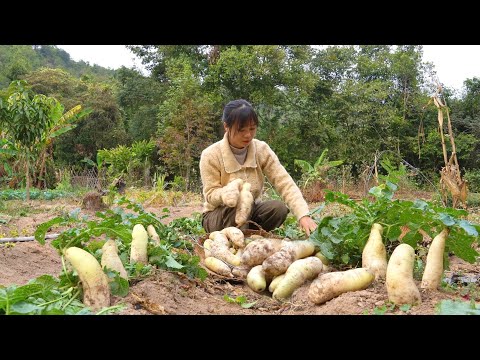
[
  {"x": 26, "y": 238},
  {"x": 440, "y": 122},
  {"x": 454, "y": 149}
]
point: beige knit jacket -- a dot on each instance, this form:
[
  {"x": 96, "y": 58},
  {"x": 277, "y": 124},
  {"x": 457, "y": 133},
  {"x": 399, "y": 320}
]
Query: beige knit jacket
[{"x": 218, "y": 166}]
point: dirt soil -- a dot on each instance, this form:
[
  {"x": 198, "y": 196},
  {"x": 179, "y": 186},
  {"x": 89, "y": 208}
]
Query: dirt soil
[{"x": 173, "y": 293}]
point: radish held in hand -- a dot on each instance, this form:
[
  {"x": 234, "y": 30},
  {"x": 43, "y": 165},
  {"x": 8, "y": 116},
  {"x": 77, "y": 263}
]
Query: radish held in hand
[
  {"x": 231, "y": 192},
  {"x": 244, "y": 205}
]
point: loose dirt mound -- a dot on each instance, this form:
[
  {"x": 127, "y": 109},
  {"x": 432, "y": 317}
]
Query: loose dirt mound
[
  {"x": 27, "y": 260},
  {"x": 174, "y": 294}
]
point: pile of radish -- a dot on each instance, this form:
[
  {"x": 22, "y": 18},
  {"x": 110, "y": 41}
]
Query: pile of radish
[
  {"x": 260, "y": 261},
  {"x": 283, "y": 265}
]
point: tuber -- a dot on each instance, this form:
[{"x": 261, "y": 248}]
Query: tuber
[
  {"x": 218, "y": 266},
  {"x": 256, "y": 279},
  {"x": 244, "y": 205},
  {"x": 278, "y": 262},
  {"x": 297, "y": 273},
  {"x": 325, "y": 261},
  {"x": 138, "y": 250},
  {"x": 220, "y": 249},
  {"x": 290, "y": 251},
  {"x": 241, "y": 271},
  {"x": 374, "y": 255},
  {"x": 432, "y": 276},
  {"x": 322, "y": 257},
  {"x": 274, "y": 283},
  {"x": 258, "y": 250},
  {"x": 111, "y": 260},
  {"x": 330, "y": 285},
  {"x": 401, "y": 287},
  {"x": 235, "y": 235},
  {"x": 153, "y": 234},
  {"x": 96, "y": 290},
  {"x": 207, "y": 245}
]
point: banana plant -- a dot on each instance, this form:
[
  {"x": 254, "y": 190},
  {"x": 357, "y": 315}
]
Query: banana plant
[
  {"x": 61, "y": 123},
  {"x": 32, "y": 120},
  {"x": 24, "y": 117},
  {"x": 317, "y": 171}
]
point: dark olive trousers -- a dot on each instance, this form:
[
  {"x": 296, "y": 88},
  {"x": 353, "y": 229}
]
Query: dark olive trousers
[{"x": 268, "y": 214}]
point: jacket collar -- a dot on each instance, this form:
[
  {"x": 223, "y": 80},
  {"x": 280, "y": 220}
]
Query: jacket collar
[{"x": 231, "y": 164}]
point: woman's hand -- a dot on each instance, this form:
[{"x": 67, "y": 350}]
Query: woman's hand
[{"x": 307, "y": 224}]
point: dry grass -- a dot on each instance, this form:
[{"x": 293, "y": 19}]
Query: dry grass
[{"x": 150, "y": 197}]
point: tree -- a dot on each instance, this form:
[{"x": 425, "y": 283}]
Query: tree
[
  {"x": 33, "y": 121},
  {"x": 138, "y": 97},
  {"x": 156, "y": 57},
  {"x": 103, "y": 128},
  {"x": 26, "y": 118},
  {"x": 185, "y": 121}
]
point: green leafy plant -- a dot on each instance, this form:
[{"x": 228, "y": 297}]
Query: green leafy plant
[
  {"x": 45, "y": 295},
  {"x": 341, "y": 239},
  {"x": 124, "y": 161},
  {"x": 241, "y": 300},
  {"x": 116, "y": 223},
  {"x": 450, "y": 307},
  {"x": 289, "y": 228},
  {"x": 381, "y": 310},
  {"x": 65, "y": 183},
  {"x": 317, "y": 171},
  {"x": 175, "y": 251},
  {"x": 385, "y": 308},
  {"x": 159, "y": 181}
]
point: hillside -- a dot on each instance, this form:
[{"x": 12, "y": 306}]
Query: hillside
[{"x": 17, "y": 60}]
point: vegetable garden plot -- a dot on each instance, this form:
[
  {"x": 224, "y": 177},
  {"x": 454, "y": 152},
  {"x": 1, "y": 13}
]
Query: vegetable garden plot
[{"x": 168, "y": 291}]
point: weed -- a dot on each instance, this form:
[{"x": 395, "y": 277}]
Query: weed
[{"x": 241, "y": 300}]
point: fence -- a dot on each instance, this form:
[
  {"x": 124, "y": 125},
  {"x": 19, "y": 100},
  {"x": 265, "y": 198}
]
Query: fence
[{"x": 88, "y": 178}]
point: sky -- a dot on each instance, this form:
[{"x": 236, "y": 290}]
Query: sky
[
  {"x": 453, "y": 63},
  {"x": 108, "y": 56}
]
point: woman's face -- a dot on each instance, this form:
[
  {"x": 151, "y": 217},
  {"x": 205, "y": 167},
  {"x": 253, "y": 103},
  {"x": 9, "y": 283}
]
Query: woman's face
[{"x": 242, "y": 137}]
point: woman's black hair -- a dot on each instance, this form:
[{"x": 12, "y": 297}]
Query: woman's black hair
[{"x": 239, "y": 113}]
